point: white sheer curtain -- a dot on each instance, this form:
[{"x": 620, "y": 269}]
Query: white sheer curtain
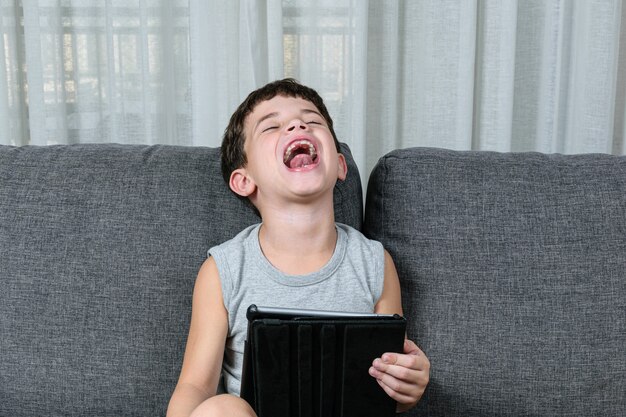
[
  {"x": 531, "y": 75},
  {"x": 94, "y": 71}
]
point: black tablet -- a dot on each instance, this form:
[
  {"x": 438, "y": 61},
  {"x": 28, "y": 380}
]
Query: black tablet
[{"x": 315, "y": 363}]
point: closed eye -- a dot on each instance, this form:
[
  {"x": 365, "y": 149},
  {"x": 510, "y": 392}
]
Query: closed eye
[{"x": 269, "y": 128}]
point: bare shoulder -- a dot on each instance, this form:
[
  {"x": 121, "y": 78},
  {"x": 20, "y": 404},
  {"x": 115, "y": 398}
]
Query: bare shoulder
[{"x": 208, "y": 276}]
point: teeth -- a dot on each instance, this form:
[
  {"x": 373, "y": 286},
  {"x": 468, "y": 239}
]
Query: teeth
[{"x": 298, "y": 144}]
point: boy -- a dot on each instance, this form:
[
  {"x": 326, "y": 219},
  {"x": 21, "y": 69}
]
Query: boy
[{"x": 280, "y": 152}]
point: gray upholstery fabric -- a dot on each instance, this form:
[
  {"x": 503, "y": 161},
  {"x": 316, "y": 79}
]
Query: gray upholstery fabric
[
  {"x": 513, "y": 271},
  {"x": 100, "y": 246}
]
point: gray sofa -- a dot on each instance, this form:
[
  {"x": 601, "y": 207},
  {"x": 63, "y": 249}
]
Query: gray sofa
[{"x": 513, "y": 270}]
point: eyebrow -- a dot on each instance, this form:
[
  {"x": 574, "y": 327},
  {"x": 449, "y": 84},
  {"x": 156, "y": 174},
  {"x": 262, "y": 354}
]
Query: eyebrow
[
  {"x": 267, "y": 116},
  {"x": 305, "y": 111},
  {"x": 275, "y": 114}
]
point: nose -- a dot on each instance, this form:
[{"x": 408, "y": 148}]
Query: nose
[{"x": 296, "y": 124}]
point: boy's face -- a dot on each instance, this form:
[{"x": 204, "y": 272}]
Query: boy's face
[{"x": 291, "y": 153}]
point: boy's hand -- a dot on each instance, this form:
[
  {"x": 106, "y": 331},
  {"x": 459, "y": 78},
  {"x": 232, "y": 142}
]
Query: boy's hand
[{"x": 403, "y": 376}]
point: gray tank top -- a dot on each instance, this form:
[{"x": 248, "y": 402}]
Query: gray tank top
[{"x": 351, "y": 281}]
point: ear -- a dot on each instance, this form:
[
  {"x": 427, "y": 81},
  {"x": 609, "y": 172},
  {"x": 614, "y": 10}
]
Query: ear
[
  {"x": 241, "y": 183},
  {"x": 342, "y": 168}
]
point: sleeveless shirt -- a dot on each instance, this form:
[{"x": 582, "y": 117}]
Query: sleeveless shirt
[{"x": 351, "y": 281}]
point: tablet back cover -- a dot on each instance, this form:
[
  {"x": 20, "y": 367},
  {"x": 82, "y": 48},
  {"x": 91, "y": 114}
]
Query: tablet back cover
[{"x": 318, "y": 367}]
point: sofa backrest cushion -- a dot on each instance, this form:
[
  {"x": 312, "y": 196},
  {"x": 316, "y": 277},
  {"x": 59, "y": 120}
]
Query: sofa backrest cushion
[
  {"x": 513, "y": 273},
  {"x": 100, "y": 246}
]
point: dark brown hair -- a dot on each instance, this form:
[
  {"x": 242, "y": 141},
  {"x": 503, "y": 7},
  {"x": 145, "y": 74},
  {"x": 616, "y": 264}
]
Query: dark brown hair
[{"x": 233, "y": 155}]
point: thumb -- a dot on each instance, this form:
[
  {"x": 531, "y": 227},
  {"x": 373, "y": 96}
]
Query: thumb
[{"x": 410, "y": 348}]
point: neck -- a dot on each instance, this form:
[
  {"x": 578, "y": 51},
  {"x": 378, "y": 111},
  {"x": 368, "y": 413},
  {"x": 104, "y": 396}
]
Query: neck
[{"x": 300, "y": 239}]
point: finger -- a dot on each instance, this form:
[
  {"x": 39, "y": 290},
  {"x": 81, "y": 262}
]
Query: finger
[
  {"x": 400, "y": 373},
  {"x": 409, "y": 348},
  {"x": 413, "y": 387},
  {"x": 397, "y": 396},
  {"x": 413, "y": 361},
  {"x": 401, "y": 392},
  {"x": 405, "y": 392},
  {"x": 394, "y": 384}
]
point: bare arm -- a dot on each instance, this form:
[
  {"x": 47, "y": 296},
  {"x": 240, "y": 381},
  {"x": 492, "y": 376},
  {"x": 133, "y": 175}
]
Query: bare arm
[
  {"x": 403, "y": 376},
  {"x": 204, "y": 352},
  {"x": 390, "y": 301}
]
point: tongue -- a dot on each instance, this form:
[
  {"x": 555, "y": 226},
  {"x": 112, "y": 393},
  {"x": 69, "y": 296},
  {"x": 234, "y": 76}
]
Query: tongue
[{"x": 300, "y": 161}]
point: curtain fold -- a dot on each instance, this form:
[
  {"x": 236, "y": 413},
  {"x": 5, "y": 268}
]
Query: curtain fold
[
  {"x": 496, "y": 36},
  {"x": 532, "y": 75},
  {"x": 13, "y": 115},
  {"x": 235, "y": 47}
]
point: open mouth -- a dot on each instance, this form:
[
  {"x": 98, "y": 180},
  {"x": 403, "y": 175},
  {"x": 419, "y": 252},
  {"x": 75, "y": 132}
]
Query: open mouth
[{"x": 300, "y": 154}]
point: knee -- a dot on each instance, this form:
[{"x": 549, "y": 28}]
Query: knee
[{"x": 224, "y": 405}]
